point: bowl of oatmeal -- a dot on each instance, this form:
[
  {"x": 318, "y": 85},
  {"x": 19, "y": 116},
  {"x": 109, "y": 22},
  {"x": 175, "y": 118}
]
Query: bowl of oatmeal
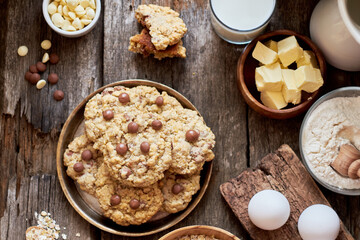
[
  {"x": 322, "y": 134},
  {"x": 199, "y": 232}
]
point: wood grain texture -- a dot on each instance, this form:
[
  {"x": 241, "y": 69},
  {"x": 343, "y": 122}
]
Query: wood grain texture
[
  {"x": 30, "y": 119},
  {"x": 281, "y": 171}
]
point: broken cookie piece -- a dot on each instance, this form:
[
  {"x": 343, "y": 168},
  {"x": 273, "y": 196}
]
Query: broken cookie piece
[
  {"x": 141, "y": 43},
  {"x": 165, "y": 26}
]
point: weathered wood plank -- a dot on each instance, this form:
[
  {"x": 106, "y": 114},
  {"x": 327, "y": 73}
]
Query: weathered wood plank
[
  {"x": 206, "y": 77},
  {"x": 79, "y": 69},
  {"x": 281, "y": 171}
]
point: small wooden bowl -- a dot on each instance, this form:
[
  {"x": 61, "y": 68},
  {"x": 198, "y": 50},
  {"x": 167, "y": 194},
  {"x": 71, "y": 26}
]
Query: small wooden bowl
[
  {"x": 200, "y": 230},
  {"x": 83, "y": 208},
  {"x": 246, "y": 76}
]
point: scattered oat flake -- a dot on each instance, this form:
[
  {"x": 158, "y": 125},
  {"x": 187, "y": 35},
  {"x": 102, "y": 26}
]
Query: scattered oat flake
[
  {"x": 77, "y": 234},
  {"x": 46, "y": 228},
  {"x": 63, "y": 236}
]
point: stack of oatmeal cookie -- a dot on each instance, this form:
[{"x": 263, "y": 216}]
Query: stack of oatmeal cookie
[
  {"x": 141, "y": 153},
  {"x": 162, "y": 33}
]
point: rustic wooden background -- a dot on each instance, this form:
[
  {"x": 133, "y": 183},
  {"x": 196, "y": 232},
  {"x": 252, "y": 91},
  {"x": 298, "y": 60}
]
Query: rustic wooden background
[{"x": 31, "y": 120}]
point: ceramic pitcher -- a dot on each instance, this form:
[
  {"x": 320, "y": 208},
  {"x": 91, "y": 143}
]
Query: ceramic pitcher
[{"x": 335, "y": 28}]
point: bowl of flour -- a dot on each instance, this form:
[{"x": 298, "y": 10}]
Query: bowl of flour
[{"x": 322, "y": 134}]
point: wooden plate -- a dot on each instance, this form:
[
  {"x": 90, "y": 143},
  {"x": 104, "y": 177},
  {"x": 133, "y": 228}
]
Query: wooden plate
[
  {"x": 200, "y": 230},
  {"x": 82, "y": 207},
  {"x": 246, "y": 76}
]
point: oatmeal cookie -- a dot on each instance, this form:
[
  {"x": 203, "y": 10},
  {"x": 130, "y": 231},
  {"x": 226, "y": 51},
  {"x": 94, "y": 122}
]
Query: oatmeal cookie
[
  {"x": 141, "y": 43},
  {"x": 196, "y": 237},
  {"x": 192, "y": 141},
  {"x": 178, "y": 191},
  {"x": 166, "y": 28},
  {"x": 82, "y": 162},
  {"x": 127, "y": 205},
  {"x": 139, "y": 158}
]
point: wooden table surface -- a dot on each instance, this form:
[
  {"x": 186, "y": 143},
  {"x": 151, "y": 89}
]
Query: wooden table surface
[{"x": 31, "y": 119}]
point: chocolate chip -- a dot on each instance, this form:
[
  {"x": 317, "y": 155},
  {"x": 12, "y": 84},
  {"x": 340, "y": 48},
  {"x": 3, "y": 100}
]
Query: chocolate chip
[
  {"x": 192, "y": 136},
  {"x": 86, "y": 155},
  {"x": 58, "y": 95},
  {"x": 125, "y": 172},
  {"x": 54, "y": 58},
  {"x": 53, "y": 78},
  {"x": 159, "y": 101},
  {"x": 121, "y": 149},
  {"x": 40, "y": 67},
  {"x": 134, "y": 203},
  {"x": 133, "y": 127},
  {"x": 35, "y": 77},
  {"x": 124, "y": 98},
  {"x": 28, "y": 75},
  {"x": 177, "y": 188},
  {"x": 145, "y": 147},
  {"x": 115, "y": 200},
  {"x": 156, "y": 124},
  {"x": 33, "y": 69},
  {"x": 78, "y": 167},
  {"x": 108, "y": 114}
]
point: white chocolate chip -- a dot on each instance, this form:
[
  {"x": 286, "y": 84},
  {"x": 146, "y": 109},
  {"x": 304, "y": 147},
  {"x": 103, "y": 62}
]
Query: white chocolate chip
[
  {"x": 85, "y": 21},
  {"x": 90, "y": 13},
  {"x": 72, "y": 15},
  {"x": 80, "y": 11},
  {"x": 45, "y": 58},
  {"x": 68, "y": 18},
  {"x": 40, "y": 84},
  {"x": 92, "y": 4},
  {"x": 78, "y": 24},
  {"x": 59, "y": 10},
  {"x": 46, "y": 44},
  {"x": 57, "y": 19},
  {"x": 72, "y": 4},
  {"x": 22, "y": 51},
  {"x": 84, "y": 3},
  {"x": 52, "y": 8},
  {"x": 65, "y": 11},
  {"x": 67, "y": 26}
]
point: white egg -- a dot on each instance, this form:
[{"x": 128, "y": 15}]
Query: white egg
[
  {"x": 319, "y": 222},
  {"x": 269, "y": 209}
]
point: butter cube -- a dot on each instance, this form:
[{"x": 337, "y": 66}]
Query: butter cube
[
  {"x": 269, "y": 78},
  {"x": 272, "y": 45},
  {"x": 308, "y": 58},
  {"x": 274, "y": 100},
  {"x": 290, "y": 92},
  {"x": 289, "y": 50},
  {"x": 308, "y": 78},
  {"x": 264, "y": 54}
]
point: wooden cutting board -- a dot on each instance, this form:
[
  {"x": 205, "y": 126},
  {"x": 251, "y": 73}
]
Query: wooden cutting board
[{"x": 281, "y": 171}]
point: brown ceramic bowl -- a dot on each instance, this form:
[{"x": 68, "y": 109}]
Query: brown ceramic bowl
[
  {"x": 246, "y": 76},
  {"x": 200, "y": 230},
  {"x": 80, "y": 201}
]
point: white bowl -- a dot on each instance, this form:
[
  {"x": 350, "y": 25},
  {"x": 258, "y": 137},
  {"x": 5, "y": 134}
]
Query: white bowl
[{"x": 70, "y": 34}]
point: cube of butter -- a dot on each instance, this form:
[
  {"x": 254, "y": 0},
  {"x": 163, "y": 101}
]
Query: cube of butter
[
  {"x": 274, "y": 100},
  {"x": 264, "y": 54},
  {"x": 290, "y": 92},
  {"x": 289, "y": 50},
  {"x": 269, "y": 78},
  {"x": 272, "y": 45},
  {"x": 308, "y": 78},
  {"x": 308, "y": 58}
]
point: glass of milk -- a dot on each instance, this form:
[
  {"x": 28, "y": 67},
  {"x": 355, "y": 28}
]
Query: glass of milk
[{"x": 240, "y": 21}]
